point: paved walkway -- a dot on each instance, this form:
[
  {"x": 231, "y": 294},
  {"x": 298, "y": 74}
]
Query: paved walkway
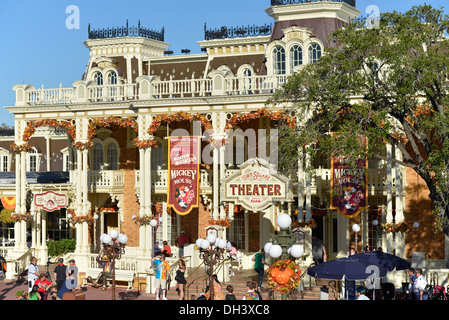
[{"x": 8, "y": 291}]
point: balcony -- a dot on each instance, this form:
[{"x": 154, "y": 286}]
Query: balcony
[
  {"x": 103, "y": 180},
  {"x": 148, "y": 88},
  {"x": 159, "y": 181}
]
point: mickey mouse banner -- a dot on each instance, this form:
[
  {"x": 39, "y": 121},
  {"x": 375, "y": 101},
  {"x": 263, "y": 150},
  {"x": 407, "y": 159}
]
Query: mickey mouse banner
[
  {"x": 349, "y": 193},
  {"x": 183, "y": 174}
]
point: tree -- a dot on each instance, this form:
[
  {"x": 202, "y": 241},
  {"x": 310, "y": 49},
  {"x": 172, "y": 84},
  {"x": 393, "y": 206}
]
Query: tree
[{"x": 388, "y": 84}]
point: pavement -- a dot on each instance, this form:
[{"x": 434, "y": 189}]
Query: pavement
[{"x": 8, "y": 291}]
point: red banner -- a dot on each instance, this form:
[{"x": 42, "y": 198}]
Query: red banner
[
  {"x": 349, "y": 193},
  {"x": 183, "y": 173}
]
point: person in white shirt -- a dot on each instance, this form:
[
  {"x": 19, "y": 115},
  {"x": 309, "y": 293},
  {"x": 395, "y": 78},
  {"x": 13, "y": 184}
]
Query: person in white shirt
[
  {"x": 33, "y": 273},
  {"x": 360, "y": 291},
  {"x": 420, "y": 285}
]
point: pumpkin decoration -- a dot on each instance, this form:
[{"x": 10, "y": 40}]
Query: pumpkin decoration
[{"x": 284, "y": 275}]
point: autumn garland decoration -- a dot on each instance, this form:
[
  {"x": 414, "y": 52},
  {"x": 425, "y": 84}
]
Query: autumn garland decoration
[
  {"x": 32, "y": 125},
  {"x": 220, "y": 222},
  {"x": 263, "y": 112},
  {"x": 402, "y": 226},
  {"x": 143, "y": 221},
  {"x": 284, "y": 275},
  {"x": 96, "y": 123},
  {"x": 25, "y": 147},
  {"x": 16, "y": 217},
  {"x": 74, "y": 219}
]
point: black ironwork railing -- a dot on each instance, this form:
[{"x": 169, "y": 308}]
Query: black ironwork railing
[
  {"x": 284, "y": 2},
  {"x": 126, "y": 31},
  {"x": 237, "y": 32}
]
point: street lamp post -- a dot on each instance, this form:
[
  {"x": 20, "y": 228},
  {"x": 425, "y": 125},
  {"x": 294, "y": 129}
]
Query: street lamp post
[
  {"x": 356, "y": 229},
  {"x": 212, "y": 251},
  {"x": 284, "y": 244},
  {"x": 113, "y": 247}
]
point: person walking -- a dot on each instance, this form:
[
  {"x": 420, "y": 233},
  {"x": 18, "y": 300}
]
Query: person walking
[
  {"x": 420, "y": 285},
  {"x": 162, "y": 268},
  {"x": 72, "y": 274},
  {"x": 60, "y": 273},
  {"x": 259, "y": 266},
  {"x": 411, "y": 284},
  {"x": 181, "y": 241},
  {"x": 180, "y": 279},
  {"x": 33, "y": 273}
]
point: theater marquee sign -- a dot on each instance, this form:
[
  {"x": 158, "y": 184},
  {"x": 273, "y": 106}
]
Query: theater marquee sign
[{"x": 256, "y": 186}]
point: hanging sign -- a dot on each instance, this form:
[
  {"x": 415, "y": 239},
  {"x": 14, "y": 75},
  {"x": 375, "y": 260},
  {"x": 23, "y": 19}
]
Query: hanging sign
[
  {"x": 349, "y": 192},
  {"x": 183, "y": 174},
  {"x": 256, "y": 186},
  {"x": 50, "y": 201}
]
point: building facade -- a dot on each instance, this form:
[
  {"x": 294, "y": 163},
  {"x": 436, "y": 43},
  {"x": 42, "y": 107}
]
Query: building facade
[{"x": 135, "y": 94}]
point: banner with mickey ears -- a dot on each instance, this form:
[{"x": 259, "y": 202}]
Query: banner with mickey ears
[{"x": 183, "y": 174}]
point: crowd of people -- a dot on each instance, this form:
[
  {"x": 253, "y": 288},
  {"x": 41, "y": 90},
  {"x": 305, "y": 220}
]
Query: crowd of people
[{"x": 41, "y": 288}]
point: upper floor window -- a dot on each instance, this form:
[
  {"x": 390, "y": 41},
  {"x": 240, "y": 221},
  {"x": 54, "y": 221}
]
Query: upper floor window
[
  {"x": 295, "y": 57},
  {"x": 279, "y": 60},
  {"x": 98, "y": 159},
  {"x": 112, "y": 77},
  {"x": 33, "y": 162},
  {"x": 98, "y": 78},
  {"x": 314, "y": 52},
  {"x": 4, "y": 160},
  {"x": 112, "y": 156}
]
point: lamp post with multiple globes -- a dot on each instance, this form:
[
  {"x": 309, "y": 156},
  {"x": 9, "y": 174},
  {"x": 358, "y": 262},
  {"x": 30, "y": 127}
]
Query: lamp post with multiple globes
[
  {"x": 113, "y": 247},
  {"x": 212, "y": 250},
  {"x": 284, "y": 244}
]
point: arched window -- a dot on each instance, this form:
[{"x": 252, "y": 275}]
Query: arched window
[
  {"x": 98, "y": 160},
  {"x": 314, "y": 52},
  {"x": 279, "y": 60},
  {"x": 295, "y": 57},
  {"x": 112, "y": 156},
  {"x": 98, "y": 79},
  {"x": 112, "y": 77},
  {"x": 159, "y": 156}
]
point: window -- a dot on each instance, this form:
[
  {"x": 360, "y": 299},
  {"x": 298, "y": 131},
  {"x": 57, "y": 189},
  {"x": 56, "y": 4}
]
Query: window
[
  {"x": 4, "y": 160},
  {"x": 245, "y": 86},
  {"x": 98, "y": 160},
  {"x": 295, "y": 57},
  {"x": 314, "y": 52},
  {"x": 112, "y": 77},
  {"x": 279, "y": 60},
  {"x": 33, "y": 163},
  {"x": 236, "y": 232},
  {"x": 112, "y": 156},
  {"x": 98, "y": 79}
]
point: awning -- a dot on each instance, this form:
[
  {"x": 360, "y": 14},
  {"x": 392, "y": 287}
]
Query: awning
[{"x": 9, "y": 202}]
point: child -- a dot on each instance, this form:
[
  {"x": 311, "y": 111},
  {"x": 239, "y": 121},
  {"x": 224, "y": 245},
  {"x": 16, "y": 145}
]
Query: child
[
  {"x": 53, "y": 293},
  {"x": 19, "y": 295},
  {"x": 250, "y": 294},
  {"x": 230, "y": 295}
]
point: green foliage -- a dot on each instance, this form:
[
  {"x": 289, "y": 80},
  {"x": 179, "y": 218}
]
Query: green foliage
[
  {"x": 5, "y": 216},
  {"x": 387, "y": 84},
  {"x": 56, "y": 248}
]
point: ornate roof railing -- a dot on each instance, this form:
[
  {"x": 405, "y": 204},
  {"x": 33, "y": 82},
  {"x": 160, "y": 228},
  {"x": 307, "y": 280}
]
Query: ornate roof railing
[
  {"x": 284, "y": 2},
  {"x": 237, "y": 32},
  {"x": 125, "y": 31}
]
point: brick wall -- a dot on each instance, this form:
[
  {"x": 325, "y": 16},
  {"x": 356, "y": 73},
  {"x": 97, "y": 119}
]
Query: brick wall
[{"x": 418, "y": 208}]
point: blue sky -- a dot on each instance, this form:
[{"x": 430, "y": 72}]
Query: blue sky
[{"x": 37, "y": 48}]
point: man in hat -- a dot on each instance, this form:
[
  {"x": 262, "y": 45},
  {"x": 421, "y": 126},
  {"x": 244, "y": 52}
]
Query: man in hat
[
  {"x": 72, "y": 274},
  {"x": 60, "y": 273},
  {"x": 182, "y": 240}
]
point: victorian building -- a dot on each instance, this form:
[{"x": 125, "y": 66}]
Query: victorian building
[{"x": 135, "y": 94}]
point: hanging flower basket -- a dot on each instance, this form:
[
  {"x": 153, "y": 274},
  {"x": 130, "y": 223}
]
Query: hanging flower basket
[
  {"x": 74, "y": 219},
  {"x": 143, "y": 221},
  {"x": 21, "y": 217},
  {"x": 304, "y": 224},
  {"x": 284, "y": 275}
]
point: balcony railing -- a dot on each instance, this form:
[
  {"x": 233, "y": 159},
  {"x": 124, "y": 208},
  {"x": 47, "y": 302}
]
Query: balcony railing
[
  {"x": 159, "y": 180},
  {"x": 148, "y": 88}
]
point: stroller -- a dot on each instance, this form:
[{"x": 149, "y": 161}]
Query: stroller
[{"x": 435, "y": 291}]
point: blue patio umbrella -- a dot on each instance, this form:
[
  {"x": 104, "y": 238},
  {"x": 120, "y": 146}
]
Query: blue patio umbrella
[
  {"x": 350, "y": 269},
  {"x": 382, "y": 259}
]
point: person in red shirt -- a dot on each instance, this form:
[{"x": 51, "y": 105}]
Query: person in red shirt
[
  {"x": 166, "y": 249},
  {"x": 182, "y": 240},
  {"x": 44, "y": 285}
]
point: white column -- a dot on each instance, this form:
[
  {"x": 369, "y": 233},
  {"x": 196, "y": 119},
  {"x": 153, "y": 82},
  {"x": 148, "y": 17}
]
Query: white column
[
  {"x": 308, "y": 191},
  {"x": 222, "y": 176},
  {"x": 300, "y": 185},
  {"x": 17, "y": 230},
  {"x": 216, "y": 186},
  {"x": 142, "y": 233},
  {"x": 399, "y": 216},
  {"x": 389, "y": 217}
]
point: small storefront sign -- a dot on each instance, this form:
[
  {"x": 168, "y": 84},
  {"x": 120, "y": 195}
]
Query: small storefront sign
[
  {"x": 183, "y": 174},
  {"x": 256, "y": 186},
  {"x": 50, "y": 201}
]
